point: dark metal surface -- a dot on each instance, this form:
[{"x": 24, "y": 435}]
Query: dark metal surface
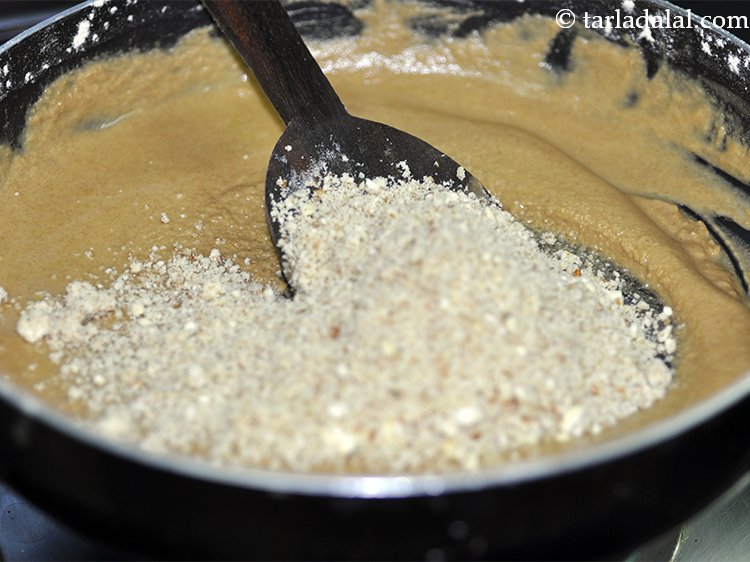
[
  {"x": 17, "y": 16},
  {"x": 597, "y": 503},
  {"x": 588, "y": 512},
  {"x": 720, "y": 532},
  {"x": 29, "y": 534}
]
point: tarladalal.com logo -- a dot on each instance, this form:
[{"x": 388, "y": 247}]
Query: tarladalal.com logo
[{"x": 667, "y": 19}]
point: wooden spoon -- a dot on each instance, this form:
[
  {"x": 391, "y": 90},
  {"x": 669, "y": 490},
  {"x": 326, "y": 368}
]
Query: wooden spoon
[{"x": 320, "y": 134}]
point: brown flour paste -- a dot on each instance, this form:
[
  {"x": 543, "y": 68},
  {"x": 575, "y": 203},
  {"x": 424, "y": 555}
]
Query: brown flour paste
[{"x": 113, "y": 149}]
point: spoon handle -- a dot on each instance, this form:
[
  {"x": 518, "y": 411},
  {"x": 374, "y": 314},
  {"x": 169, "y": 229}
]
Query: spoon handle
[{"x": 268, "y": 42}]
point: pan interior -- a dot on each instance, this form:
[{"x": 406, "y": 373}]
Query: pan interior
[{"x": 643, "y": 168}]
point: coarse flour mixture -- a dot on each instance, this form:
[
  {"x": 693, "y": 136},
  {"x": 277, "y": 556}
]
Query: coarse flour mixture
[{"x": 428, "y": 331}]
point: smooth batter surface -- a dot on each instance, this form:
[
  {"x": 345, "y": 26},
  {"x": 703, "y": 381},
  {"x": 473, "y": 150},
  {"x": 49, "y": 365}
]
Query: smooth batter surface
[{"x": 185, "y": 133}]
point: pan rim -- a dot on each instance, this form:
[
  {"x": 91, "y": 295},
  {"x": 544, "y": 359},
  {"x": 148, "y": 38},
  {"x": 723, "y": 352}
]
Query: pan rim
[
  {"x": 379, "y": 486},
  {"x": 43, "y": 24}
]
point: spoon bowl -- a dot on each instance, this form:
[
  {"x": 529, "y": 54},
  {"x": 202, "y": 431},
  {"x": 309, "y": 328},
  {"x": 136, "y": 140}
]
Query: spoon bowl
[
  {"x": 362, "y": 149},
  {"x": 321, "y": 137}
]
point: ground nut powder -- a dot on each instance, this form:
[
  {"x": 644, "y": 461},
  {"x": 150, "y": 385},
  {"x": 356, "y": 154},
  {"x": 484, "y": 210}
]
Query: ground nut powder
[{"x": 429, "y": 331}]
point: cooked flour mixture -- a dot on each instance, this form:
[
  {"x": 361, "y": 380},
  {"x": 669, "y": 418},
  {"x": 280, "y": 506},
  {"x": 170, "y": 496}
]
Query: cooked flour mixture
[{"x": 428, "y": 331}]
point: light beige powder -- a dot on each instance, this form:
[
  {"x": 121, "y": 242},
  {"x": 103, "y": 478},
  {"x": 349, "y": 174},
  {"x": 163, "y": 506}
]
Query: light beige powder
[{"x": 428, "y": 332}]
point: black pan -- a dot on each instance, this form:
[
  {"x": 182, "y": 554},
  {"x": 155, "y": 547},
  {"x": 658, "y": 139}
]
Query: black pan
[{"x": 598, "y": 502}]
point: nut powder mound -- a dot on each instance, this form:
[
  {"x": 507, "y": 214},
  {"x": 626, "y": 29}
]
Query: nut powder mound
[{"x": 429, "y": 331}]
